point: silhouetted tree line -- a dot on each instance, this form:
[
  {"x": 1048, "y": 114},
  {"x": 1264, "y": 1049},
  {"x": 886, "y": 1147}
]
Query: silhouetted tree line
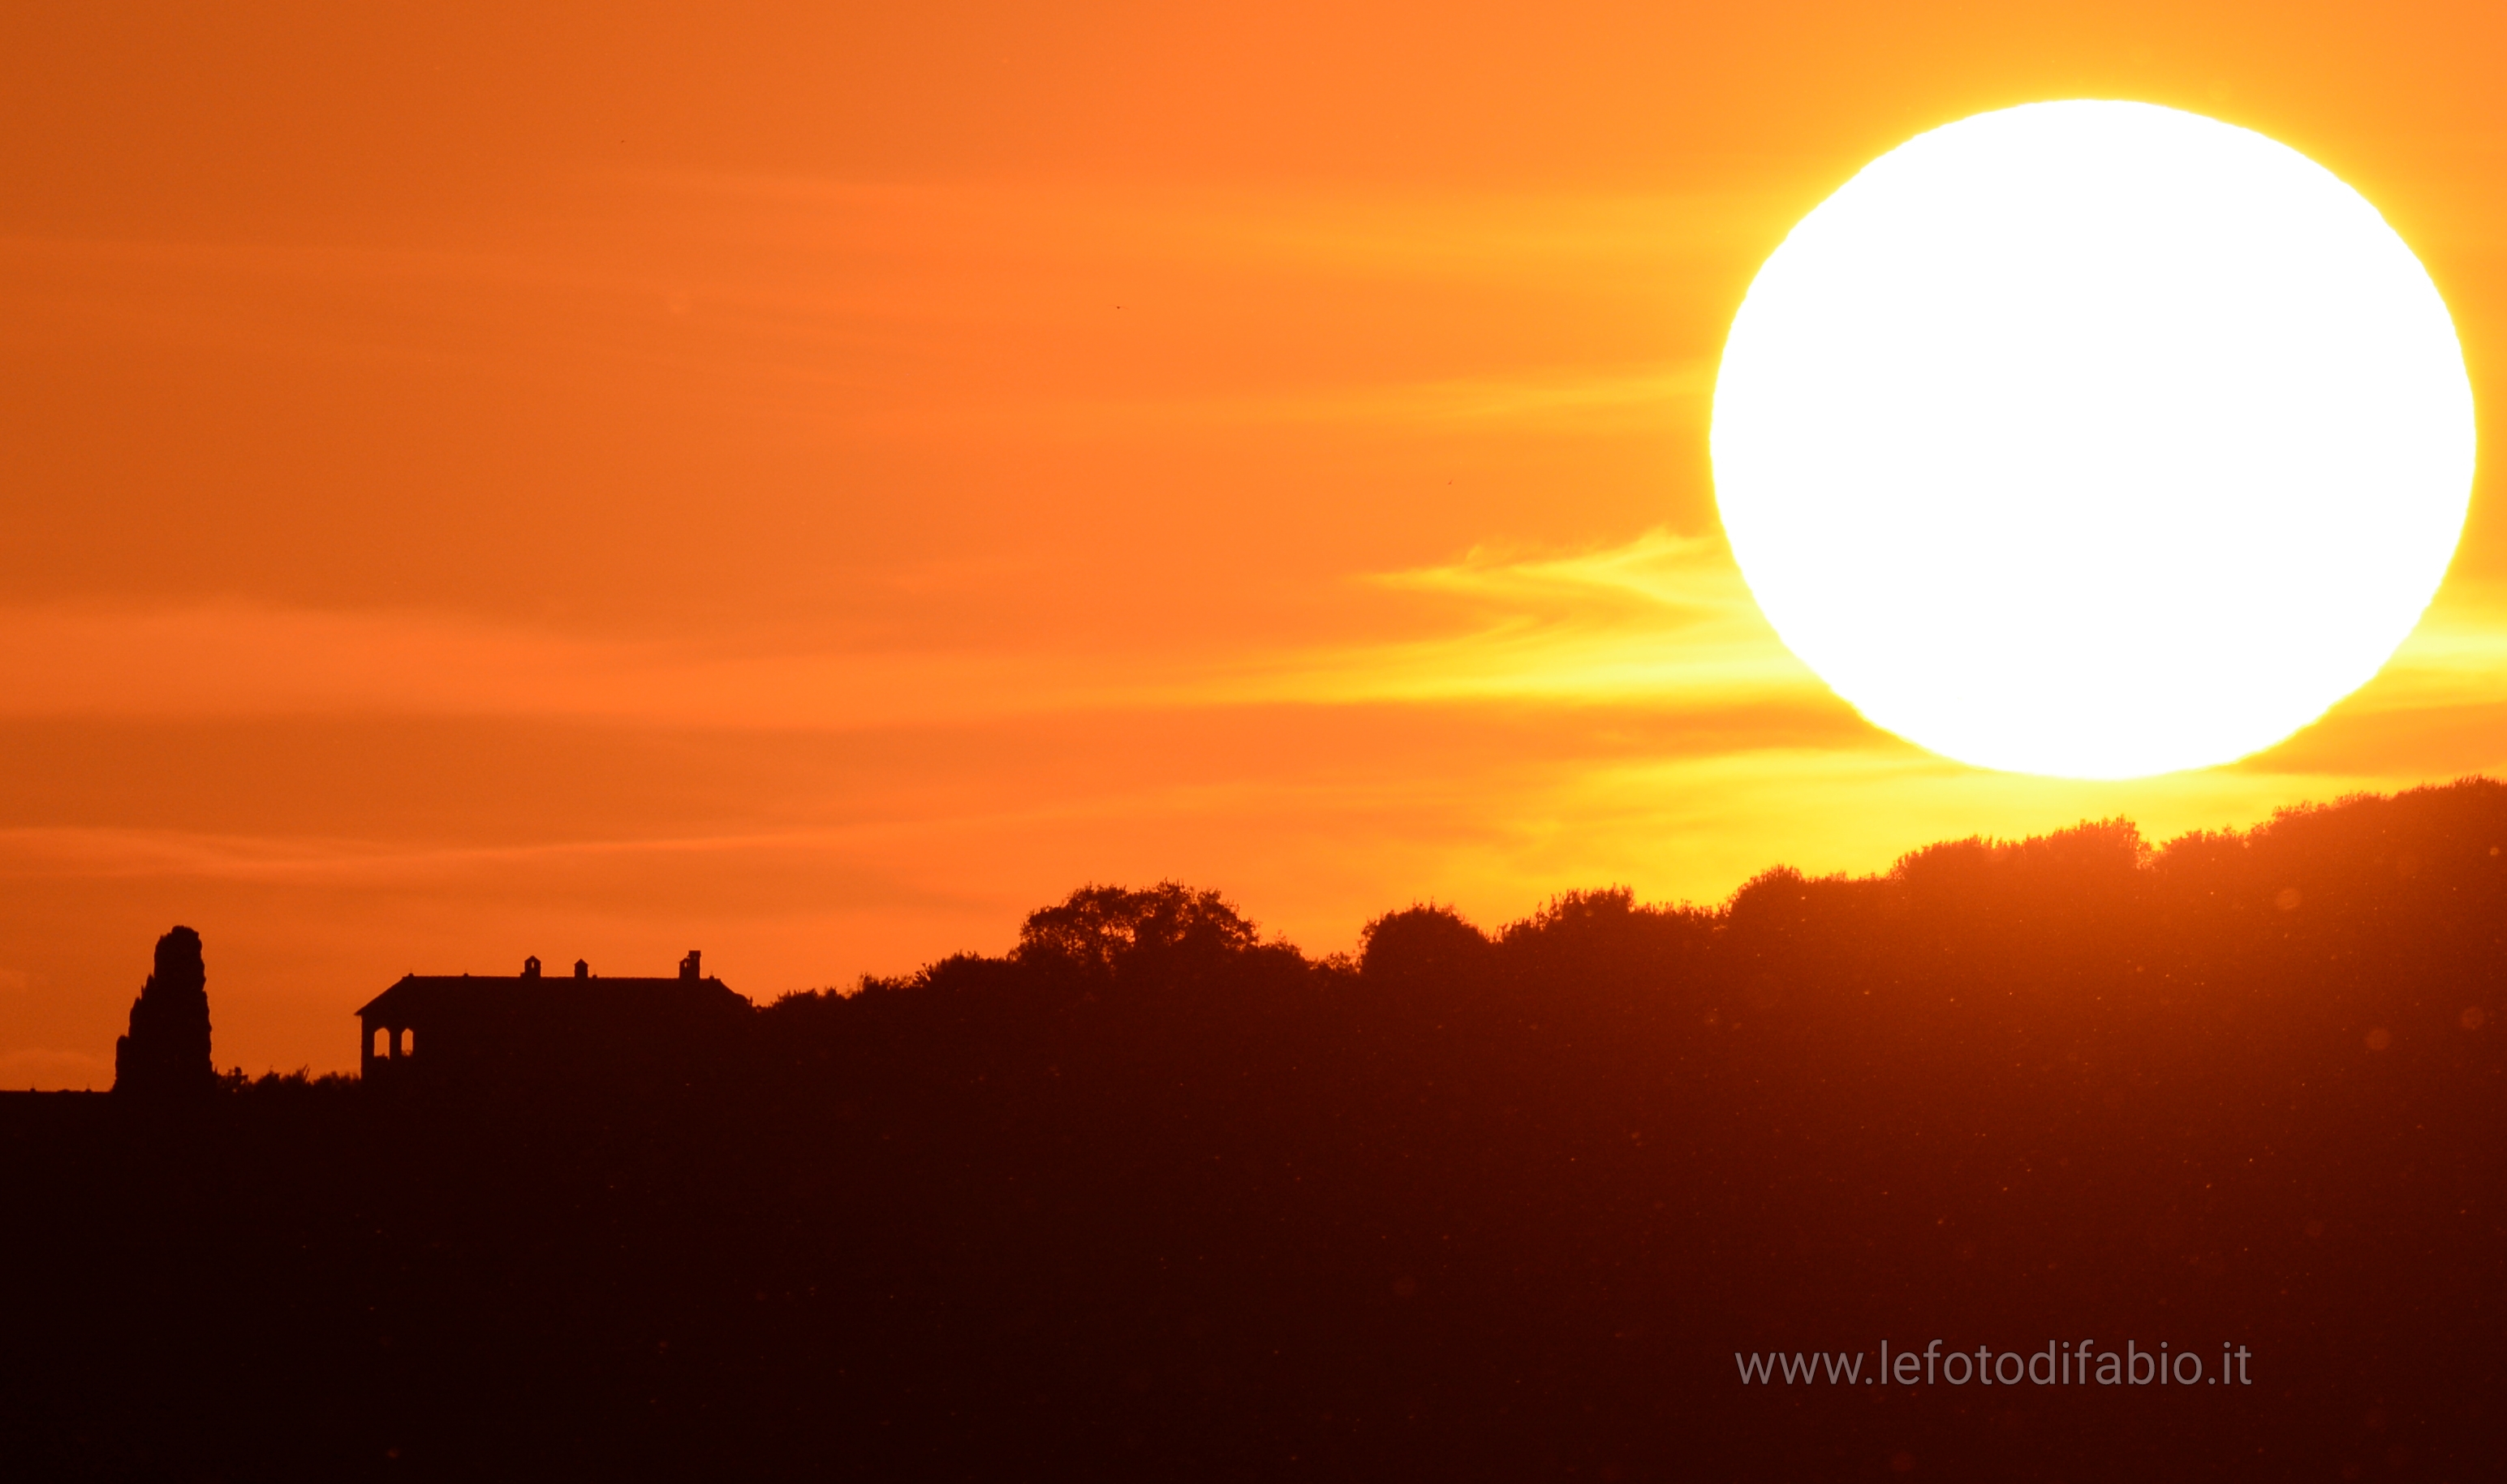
[{"x": 1153, "y": 1197}]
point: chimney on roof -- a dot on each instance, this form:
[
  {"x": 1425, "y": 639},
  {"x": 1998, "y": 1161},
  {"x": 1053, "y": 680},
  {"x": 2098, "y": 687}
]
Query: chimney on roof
[
  {"x": 531, "y": 967},
  {"x": 688, "y": 965},
  {"x": 582, "y": 970}
]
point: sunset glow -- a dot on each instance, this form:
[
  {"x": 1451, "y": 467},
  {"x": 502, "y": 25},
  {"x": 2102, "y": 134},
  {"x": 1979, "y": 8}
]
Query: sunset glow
[
  {"x": 2093, "y": 439},
  {"x": 1353, "y": 740},
  {"x": 813, "y": 482}
]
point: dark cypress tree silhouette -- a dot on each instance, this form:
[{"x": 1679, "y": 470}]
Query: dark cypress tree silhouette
[{"x": 166, "y": 1054}]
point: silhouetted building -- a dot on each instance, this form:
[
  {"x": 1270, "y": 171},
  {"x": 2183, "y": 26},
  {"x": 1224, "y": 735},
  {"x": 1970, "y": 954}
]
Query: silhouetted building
[
  {"x": 166, "y": 1054},
  {"x": 478, "y": 1029}
]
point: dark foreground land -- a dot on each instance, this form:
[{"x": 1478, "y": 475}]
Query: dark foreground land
[{"x": 1150, "y": 1199}]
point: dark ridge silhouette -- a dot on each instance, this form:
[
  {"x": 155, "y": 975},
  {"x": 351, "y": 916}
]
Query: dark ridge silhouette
[
  {"x": 1152, "y": 1197},
  {"x": 167, "y": 1053}
]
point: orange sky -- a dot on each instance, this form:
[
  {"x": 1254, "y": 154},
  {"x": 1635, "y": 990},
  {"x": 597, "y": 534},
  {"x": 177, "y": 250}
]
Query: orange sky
[{"x": 812, "y": 482}]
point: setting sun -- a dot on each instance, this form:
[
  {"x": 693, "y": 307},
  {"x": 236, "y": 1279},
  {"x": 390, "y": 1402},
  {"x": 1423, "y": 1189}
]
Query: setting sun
[{"x": 2093, "y": 439}]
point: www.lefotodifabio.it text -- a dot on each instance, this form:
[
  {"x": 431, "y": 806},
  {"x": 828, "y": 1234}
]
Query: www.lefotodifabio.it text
[{"x": 2057, "y": 1364}]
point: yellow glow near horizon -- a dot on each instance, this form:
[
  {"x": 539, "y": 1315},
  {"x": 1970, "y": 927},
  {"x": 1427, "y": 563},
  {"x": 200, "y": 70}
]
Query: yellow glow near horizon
[{"x": 2093, "y": 439}]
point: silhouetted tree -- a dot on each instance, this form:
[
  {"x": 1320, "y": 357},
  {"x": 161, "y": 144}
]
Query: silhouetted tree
[
  {"x": 1111, "y": 931},
  {"x": 166, "y": 1052},
  {"x": 1422, "y": 942}
]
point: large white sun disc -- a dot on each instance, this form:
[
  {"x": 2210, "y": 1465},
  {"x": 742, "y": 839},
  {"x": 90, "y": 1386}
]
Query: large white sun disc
[{"x": 2093, "y": 439}]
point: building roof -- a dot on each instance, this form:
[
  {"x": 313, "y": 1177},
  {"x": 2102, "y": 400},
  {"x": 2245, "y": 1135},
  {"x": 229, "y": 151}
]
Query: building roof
[{"x": 419, "y": 993}]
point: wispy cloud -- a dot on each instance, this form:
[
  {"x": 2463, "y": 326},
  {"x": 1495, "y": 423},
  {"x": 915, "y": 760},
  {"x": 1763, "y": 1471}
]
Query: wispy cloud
[
  {"x": 235, "y": 660},
  {"x": 1375, "y": 232},
  {"x": 1664, "y": 619},
  {"x": 1578, "y": 400},
  {"x": 2457, "y": 656}
]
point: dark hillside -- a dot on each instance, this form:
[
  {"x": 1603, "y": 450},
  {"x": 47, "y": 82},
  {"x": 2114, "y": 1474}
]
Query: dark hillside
[{"x": 1155, "y": 1197}]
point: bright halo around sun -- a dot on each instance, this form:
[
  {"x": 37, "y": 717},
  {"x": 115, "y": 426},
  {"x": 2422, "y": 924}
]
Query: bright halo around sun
[{"x": 2093, "y": 439}]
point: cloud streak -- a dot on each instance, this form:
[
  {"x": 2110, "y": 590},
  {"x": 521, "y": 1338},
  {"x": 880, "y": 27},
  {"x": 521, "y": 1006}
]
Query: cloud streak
[{"x": 1662, "y": 621}]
